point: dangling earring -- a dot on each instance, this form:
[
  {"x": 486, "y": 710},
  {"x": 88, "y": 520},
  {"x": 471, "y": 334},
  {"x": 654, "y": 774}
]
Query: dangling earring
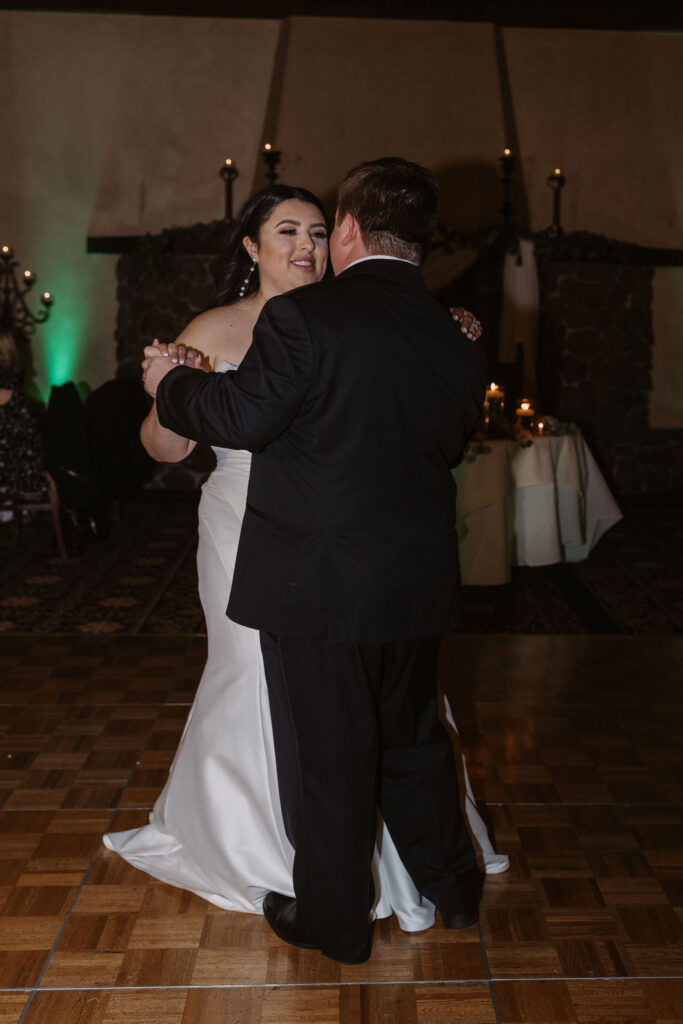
[{"x": 245, "y": 284}]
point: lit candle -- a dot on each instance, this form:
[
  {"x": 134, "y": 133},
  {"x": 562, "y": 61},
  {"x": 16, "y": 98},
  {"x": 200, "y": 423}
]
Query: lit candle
[
  {"x": 267, "y": 147},
  {"x": 5, "y": 250},
  {"x": 540, "y": 426},
  {"x": 46, "y": 299},
  {"x": 28, "y": 276},
  {"x": 525, "y": 409},
  {"x": 494, "y": 391},
  {"x": 228, "y": 162},
  {"x": 507, "y": 152}
]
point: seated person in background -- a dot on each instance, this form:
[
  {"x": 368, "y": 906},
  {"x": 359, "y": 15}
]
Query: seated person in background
[
  {"x": 22, "y": 464},
  {"x": 114, "y": 413}
]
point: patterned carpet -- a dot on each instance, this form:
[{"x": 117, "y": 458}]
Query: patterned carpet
[{"x": 142, "y": 579}]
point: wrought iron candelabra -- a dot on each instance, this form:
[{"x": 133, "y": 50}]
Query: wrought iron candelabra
[
  {"x": 14, "y": 313},
  {"x": 556, "y": 182},
  {"x": 507, "y": 166},
  {"x": 271, "y": 158},
  {"x": 228, "y": 173},
  {"x": 509, "y": 231}
]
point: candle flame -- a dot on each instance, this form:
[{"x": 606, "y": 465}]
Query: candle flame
[
  {"x": 493, "y": 387},
  {"x": 267, "y": 146},
  {"x": 558, "y": 171},
  {"x": 507, "y": 152},
  {"x": 228, "y": 162},
  {"x": 525, "y": 405},
  {"x": 5, "y": 248}
]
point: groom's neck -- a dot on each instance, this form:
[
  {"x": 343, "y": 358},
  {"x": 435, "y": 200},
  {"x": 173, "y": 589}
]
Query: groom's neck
[{"x": 348, "y": 256}]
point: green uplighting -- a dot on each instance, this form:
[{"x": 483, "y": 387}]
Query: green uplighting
[{"x": 62, "y": 340}]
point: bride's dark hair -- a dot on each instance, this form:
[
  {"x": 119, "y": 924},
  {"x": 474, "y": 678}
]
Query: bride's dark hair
[{"x": 249, "y": 221}]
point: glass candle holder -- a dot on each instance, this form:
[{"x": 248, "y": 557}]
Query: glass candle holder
[
  {"x": 525, "y": 414},
  {"x": 494, "y": 405}
]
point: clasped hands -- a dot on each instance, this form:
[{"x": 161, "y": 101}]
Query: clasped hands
[{"x": 160, "y": 359}]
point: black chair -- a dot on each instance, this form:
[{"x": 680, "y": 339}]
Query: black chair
[{"x": 34, "y": 501}]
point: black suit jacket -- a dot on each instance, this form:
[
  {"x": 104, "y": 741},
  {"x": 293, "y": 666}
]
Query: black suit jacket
[{"x": 356, "y": 397}]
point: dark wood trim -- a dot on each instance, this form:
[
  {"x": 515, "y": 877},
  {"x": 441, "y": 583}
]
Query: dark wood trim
[
  {"x": 112, "y": 243},
  {"x": 656, "y": 15},
  {"x": 587, "y": 247},
  {"x": 660, "y": 257}
]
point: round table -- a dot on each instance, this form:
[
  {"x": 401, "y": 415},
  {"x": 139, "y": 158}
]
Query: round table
[{"x": 537, "y": 503}]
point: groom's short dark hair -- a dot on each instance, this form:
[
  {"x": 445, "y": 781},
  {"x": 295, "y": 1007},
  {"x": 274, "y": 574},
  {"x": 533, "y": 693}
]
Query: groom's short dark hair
[{"x": 395, "y": 203}]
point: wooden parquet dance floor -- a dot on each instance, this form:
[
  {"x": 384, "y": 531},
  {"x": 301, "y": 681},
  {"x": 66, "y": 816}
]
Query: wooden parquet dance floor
[{"x": 573, "y": 743}]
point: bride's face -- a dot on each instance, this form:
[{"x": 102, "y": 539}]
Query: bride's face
[{"x": 292, "y": 247}]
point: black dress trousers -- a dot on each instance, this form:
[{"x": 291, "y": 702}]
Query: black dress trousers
[{"x": 356, "y": 725}]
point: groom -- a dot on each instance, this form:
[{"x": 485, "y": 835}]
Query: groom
[{"x": 356, "y": 397}]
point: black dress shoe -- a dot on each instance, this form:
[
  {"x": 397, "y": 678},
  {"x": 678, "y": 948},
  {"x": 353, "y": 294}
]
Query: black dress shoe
[
  {"x": 280, "y": 913},
  {"x": 460, "y": 920}
]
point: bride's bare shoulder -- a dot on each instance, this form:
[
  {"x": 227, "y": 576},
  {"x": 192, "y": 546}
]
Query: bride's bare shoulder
[
  {"x": 218, "y": 333},
  {"x": 207, "y": 324}
]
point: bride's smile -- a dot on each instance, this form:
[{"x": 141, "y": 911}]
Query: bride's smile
[{"x": 291, "y": 249}]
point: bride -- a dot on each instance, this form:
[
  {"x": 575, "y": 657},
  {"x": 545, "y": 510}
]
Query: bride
[{"x": 217, "y": 829}]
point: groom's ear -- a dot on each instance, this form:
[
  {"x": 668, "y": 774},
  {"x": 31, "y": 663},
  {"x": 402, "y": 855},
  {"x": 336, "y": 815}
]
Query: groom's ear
[{"x": 349, "y": 230}]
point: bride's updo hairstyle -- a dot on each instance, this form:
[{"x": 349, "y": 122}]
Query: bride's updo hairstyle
[
  {"x": 249, "y": 221},
  {"x": 395, "y": 203}
]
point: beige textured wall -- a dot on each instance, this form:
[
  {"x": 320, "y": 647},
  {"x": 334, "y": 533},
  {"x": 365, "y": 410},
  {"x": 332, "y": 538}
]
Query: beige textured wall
[
  {"x": 428, "y": 91},
  {"x": 605, "y": 107},
  {"x": 119, "y": 124},
  {"x": 189, "y": 93}
]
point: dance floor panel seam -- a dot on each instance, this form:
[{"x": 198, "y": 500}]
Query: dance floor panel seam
[
  {"x": 335, "y": 984},
  {"x": 357, "y": 1003}
]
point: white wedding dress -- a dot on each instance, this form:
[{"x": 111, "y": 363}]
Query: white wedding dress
[{"x": 217, "y": 828}]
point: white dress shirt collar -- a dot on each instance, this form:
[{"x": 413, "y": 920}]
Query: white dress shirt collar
[{"x": 364, "y": 258}]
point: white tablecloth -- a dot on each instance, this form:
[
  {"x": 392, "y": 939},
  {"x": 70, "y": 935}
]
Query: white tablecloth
[{"x": 534, "y": 505}]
